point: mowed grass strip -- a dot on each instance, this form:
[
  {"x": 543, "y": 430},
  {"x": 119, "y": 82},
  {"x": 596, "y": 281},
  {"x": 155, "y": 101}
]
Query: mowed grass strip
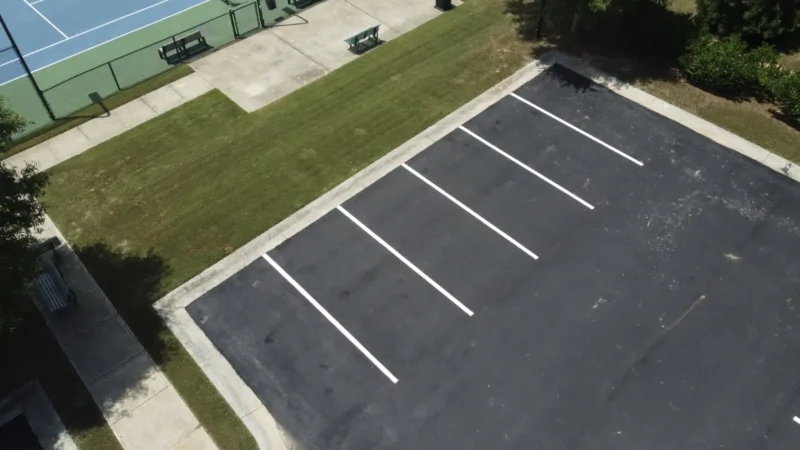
[{"x": 160, "y": 203}]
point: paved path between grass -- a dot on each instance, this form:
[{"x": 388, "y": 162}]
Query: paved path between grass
[
  {"x": 140, "y": 405},
  {"x": 269, "y": 65},
  {"x": 85, "y": 136}
]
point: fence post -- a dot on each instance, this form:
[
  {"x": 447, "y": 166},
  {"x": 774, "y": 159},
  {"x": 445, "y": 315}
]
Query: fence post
[
  {"x": 114, "y": 75},
  {"x": 260, "y": 13},
  {"x": 27, "y": 70},
  {"x": 233, "y": 23},
  {"x": 178, "y": 50}
]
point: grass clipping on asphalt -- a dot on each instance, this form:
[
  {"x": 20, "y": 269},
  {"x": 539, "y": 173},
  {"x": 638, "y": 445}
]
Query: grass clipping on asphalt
[{"x": 149, "y": 209}]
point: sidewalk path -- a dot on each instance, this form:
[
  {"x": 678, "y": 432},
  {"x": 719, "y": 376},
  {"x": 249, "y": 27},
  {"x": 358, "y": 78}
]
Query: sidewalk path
[
  {"x": 140, "y": 405},
  {"x": 83, "y": 137},
  {"x": 267, "y": 66}
]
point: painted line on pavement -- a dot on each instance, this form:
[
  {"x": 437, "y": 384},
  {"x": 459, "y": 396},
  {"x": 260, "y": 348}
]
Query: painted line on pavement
[
  {"x": 471, "y": 212},
  {"x": 406, "y": 261},
  {"x": 553, "y": 116},
  {"x": 330, "y": 318},
  {"x": 521, "y": 164}
]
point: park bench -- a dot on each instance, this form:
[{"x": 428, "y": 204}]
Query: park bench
[
  {"x": 184, "y": 47},
  {"x": 299, "y": 4},
  {"x": 370, "y": 34},
  {"x": 49, "y": 283}
]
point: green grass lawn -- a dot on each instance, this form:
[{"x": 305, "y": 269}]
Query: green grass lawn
[
  {"x": 168, "y": 199},
  {"x": 32, "y": 352}
]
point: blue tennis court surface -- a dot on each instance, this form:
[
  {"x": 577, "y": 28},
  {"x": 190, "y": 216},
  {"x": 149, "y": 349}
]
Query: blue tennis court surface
[{"x": 50, "y": 31}]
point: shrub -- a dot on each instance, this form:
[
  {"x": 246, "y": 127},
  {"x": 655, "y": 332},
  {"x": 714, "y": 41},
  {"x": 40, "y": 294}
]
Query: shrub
[
  {"x": 726, "y": 66},
  {"x": 757, "y": 20},
  {"x": 783, "y": 87}
]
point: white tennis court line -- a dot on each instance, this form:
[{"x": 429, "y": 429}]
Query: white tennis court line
[
  {"x": 330, "y": 318},
  {"x": 45, "y": 19},
  {"x": 37, "y": 1},
  {"x": 90, "y": 30},
  {"x": 406, "y": 261},
  {"x": 471, "y": 212},
  {"x": 521, "y": 164},
  {"x": 797, "y": 419},
  {"x": 98, "y": 45},
  {"x": 553, "y": 116}
]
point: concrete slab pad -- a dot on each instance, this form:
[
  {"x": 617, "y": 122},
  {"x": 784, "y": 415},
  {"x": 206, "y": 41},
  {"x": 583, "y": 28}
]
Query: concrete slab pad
[
  {"x": 69, "y": 143},
  {"x": 134, "y": 113},
  {"x": 103, "y": 128},
  {"x": 127, "y": 387},
  {"x": 98, "y": 349},
  {"x": 319, "y": 32},
  {"x": 31, "y": 401},
  {"x": 401, "y": 15},
  {"x": 163, "y": 99},
  {"x": 40, "y": 154},
  {"x": 257, "y": 71},
  {"x": 192, "y": 86},
  {"x": 197, "y": 440},
  {"x": 137, "y": 430}
]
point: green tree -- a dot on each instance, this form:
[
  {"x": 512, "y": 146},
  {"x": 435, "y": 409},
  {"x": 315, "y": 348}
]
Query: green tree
[
  {"x": 20, "y": 215},
  {"x": 756, "y": 20}
]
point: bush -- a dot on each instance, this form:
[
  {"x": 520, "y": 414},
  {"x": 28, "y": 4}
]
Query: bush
[
  {"x": 726, "y": 66},
  {"x": 783, "y": 87},
  {"x": 757, "y": 20}
]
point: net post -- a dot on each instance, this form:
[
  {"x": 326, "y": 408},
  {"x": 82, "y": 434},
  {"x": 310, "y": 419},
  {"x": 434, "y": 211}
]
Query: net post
[
  {"x": 114, "y": 75},
  {"x": 27, "y": 69},
  {"x": 178, "y": 50},
  {"x": 260, "y": 14},
  {"x": 233, "y": 23}
]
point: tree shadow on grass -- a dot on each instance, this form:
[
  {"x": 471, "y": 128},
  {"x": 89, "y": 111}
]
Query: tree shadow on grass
[{"x": 638, "y": 44}]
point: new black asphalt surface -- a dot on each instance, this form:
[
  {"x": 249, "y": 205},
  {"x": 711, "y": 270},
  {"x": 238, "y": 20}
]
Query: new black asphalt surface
[{"x": 665, "y": 318}]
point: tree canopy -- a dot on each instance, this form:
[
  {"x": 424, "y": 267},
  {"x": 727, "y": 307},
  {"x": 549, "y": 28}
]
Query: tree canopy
[
  {"x": 20, "y": 215},
  {"x": 757, "y": 20}
]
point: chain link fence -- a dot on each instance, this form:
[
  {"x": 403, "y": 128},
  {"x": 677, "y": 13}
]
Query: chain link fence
[{"x": 68, "y": 96}]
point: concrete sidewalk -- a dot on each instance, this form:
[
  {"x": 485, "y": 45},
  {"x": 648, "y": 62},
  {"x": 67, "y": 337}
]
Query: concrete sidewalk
[
  {"x": 140, "y": 405},
  {"x": 267, "y": 66},
  {"x": 79, "y": 139}
]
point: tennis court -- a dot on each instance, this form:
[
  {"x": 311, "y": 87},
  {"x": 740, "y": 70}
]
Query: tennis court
[{"x": 50, "y": 31}]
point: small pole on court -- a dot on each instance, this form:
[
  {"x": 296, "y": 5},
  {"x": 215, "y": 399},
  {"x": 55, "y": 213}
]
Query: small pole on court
[{"x": 27, "y": 69}]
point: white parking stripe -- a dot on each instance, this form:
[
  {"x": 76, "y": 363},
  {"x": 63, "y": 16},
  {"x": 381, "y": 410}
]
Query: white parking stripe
[
  {"x": 406, "y": 261},
  {"x": 330, "y": 318},
  {"x": 553, "y": 116},
  {"x": 521, "y": 164},
  {"x": 472, "y": 213}
]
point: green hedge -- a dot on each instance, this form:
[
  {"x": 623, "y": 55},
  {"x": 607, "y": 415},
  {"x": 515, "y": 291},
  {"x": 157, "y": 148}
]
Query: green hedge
[{"x": 727, "y": 66}]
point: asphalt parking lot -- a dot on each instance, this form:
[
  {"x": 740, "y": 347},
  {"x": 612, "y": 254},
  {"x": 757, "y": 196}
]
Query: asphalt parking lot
[{"x": 567, "y": 270}]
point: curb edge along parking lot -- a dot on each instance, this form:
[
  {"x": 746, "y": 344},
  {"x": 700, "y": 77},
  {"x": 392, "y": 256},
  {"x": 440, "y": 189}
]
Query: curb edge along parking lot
[{"x": 241, "y": 398}]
